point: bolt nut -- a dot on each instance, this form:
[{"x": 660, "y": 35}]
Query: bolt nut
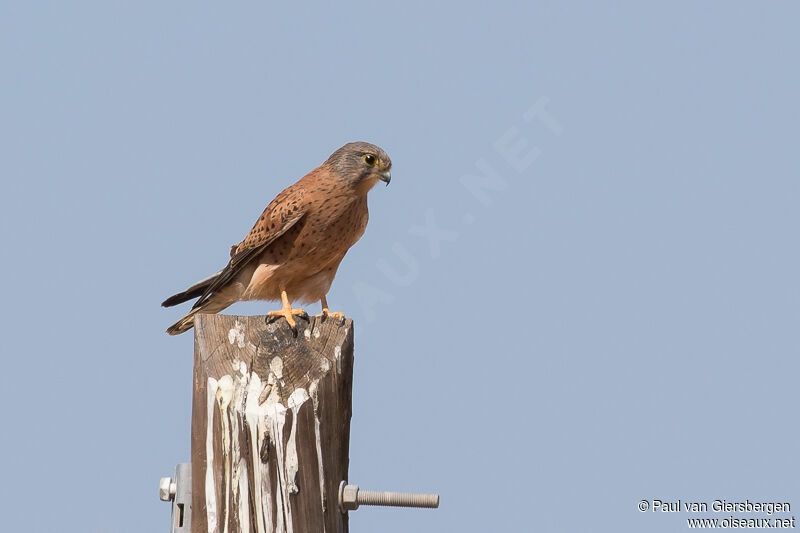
[
  {"x": 166, "y": 489},
  {"x": 348, "y": 497}
]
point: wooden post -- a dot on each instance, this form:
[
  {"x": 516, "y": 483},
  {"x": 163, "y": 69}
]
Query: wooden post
[{"x": 270, "y": 424}]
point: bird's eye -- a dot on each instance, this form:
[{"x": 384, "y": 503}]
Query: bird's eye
[{"x": 369, "y": 159}]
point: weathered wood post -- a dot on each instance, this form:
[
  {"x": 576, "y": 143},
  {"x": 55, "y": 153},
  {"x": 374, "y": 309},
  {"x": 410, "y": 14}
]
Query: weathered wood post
[{"x": 270, "y": 424}]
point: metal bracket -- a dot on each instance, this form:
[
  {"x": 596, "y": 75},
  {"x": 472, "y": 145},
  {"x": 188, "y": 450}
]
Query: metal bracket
[{"x": 178, "y": 490}]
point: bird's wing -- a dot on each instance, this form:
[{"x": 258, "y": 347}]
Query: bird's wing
[{"x": 280, "y": 215}]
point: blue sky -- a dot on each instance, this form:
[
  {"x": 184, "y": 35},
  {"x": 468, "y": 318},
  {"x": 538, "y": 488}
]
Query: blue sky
[{"x": 610, "y": 317}]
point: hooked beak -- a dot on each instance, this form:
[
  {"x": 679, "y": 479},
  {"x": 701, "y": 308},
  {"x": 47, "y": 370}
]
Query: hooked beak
[{"x": 385, "y": 176}]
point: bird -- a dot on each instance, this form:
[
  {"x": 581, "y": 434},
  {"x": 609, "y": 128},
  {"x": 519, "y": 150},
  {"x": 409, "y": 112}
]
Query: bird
[{"x": 295, "y": 247}]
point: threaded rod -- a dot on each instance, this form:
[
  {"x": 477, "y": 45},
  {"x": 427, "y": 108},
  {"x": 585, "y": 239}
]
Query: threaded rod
[{"x": 397, "y": 499}]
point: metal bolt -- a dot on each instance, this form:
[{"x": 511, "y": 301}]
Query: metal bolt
[
  {"x": 167, "y": 489},
  {"x": 350, "y": 497}
]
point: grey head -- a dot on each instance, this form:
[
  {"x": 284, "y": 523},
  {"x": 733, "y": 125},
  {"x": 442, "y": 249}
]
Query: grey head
[{"x": 358, "y": 162}]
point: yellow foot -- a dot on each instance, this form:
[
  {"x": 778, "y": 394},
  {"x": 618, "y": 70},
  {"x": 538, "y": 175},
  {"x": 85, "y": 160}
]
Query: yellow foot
[
  {"x": 327, "y": 313},
  {"x": 288, "y": 314}
]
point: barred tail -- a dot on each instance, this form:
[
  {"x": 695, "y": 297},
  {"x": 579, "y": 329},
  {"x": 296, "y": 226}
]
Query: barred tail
[{"x": 214, "y": 305}]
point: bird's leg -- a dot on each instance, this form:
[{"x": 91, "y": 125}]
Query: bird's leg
[
  {"x": 287, "y": 311},
  {"x": 327, "y": 312}
]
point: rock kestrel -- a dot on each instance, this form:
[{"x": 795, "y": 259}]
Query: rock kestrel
[{"x": 295, "y": 247}]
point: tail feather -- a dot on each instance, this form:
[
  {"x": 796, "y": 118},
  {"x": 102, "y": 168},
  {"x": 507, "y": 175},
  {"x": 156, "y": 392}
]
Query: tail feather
[
  {"x": 184, "y": 324},
  {"x": 192, "y": 292},
  {"x": 214, "y": 305}
]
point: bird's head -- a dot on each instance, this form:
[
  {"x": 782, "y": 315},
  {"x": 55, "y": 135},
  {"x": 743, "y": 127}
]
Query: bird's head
[{"x": 361, "y": 165}]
